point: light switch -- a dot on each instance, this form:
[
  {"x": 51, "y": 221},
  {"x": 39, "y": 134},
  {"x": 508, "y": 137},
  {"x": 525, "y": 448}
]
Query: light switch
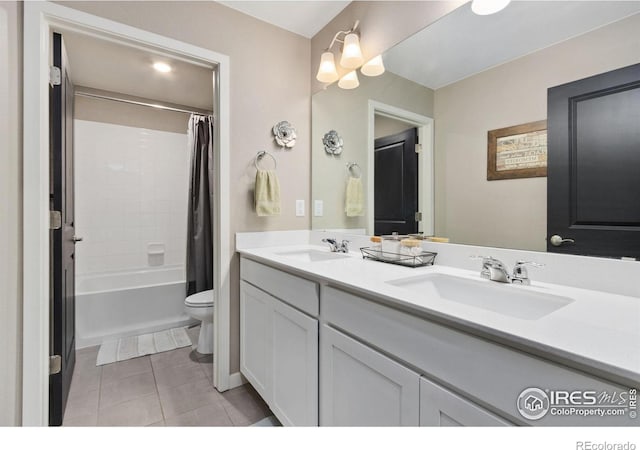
[
  {"x": 318, "y": 206},
  {"x": 300, "y": 208}
]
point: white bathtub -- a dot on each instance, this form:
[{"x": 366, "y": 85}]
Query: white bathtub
[{"x": 118, "y": 304}]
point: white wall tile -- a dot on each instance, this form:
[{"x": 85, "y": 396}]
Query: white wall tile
[{"x": 131, "y": 189}]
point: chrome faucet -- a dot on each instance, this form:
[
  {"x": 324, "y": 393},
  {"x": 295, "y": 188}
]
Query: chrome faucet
[
  {"x": 342, "y": 247},
  {"x": 495, "y": 270}
]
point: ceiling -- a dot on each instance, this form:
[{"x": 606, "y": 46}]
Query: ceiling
[
  {"x": 462, "y": 43},
  {"x": 305, "y": 18},
  {"x": 110, "y": 66}
]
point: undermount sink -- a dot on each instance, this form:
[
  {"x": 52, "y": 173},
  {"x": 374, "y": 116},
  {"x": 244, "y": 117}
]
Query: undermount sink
[
  {"x": 312, "y": 255},
  {"x": 509, "y": 300}
]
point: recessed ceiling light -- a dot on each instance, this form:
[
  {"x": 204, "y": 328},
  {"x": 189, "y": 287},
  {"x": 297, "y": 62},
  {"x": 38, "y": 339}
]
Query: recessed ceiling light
[
  {"x": 162, "y": 67},
  {"x": 486, "y": 7}
]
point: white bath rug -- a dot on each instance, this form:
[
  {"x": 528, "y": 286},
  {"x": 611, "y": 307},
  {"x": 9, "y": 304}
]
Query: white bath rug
[
  {"x": 270, "y": 421},
  {"x": 146, "y": 344}
]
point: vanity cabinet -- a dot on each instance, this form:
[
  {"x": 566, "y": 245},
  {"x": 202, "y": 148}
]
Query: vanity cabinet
[
  {"x": 279, "y": 342},
  {"x": 329, "y": 356},
  {"x": 362, "y": 387}
]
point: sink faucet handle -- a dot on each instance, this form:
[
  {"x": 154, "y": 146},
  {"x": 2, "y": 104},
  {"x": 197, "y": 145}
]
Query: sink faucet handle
[
  {"x": 333, "y": 244},
  {"x": 520, "y": 273}
]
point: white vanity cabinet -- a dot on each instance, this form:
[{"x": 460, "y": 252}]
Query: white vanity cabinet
[
  {"x": 333, "y": 356},
  {"x": 362, "y": 387},
  {"x": 279, "y": 341}
]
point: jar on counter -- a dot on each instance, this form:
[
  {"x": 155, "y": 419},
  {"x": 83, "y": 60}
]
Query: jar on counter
[{"x": 391, "y": 246}]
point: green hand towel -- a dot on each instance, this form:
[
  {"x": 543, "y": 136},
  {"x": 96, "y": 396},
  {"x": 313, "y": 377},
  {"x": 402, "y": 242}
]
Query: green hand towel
[
  {"x": 354, "y": 198},
  {"x": 267, "y": 193}
]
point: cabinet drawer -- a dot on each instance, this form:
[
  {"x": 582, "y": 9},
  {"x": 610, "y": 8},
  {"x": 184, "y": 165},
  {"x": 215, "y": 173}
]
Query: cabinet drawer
[
  {"x": 298, "y": 292},
  {"x": 491, "y": 374}
]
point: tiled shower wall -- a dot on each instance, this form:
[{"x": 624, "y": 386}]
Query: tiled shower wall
[{"x": 131, "y": 191}]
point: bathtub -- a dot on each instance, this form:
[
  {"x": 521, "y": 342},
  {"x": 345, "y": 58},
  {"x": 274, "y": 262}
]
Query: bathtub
[{"x": 119, "y": 304}]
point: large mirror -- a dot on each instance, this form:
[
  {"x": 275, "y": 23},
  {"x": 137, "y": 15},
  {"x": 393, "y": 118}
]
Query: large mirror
[{"x": 447, "y": 87}]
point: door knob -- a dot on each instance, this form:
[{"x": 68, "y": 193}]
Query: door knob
[
  {"x": 76, "y": 239},
  {"x": 557, "y": 241}
]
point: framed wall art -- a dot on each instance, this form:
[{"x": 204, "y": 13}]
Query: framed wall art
[{"x": 517, "y": 152}]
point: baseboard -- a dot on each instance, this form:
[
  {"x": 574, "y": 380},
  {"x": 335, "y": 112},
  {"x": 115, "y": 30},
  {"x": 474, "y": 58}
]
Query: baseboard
[{"x": 236, "y": 380}]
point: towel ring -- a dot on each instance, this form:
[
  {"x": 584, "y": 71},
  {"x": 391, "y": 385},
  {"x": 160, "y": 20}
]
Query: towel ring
[
  {"x": 350, "y": 168},
  {"x": 261, "y": 155}
]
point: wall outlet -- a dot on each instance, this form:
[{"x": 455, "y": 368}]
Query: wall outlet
[
  {"x": 318, "y": 206},
  {"x": 300, "y": 208}
]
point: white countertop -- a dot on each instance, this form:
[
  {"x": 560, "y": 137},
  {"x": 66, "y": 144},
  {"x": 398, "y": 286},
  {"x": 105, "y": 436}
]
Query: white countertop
[{"x": 598, "y": 330}]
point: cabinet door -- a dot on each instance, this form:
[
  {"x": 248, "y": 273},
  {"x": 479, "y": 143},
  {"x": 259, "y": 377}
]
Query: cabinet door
[
  {"x": 255, "y": 338},
  {"x": 361, "y": 387},
  {"x": 295, "y": 366},
  {"x": 440, "y": 407}
]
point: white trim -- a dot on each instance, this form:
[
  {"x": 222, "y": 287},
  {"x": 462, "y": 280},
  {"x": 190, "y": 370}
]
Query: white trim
[
  {"x": 236, "y": 379},
  {"x": 426, "y": 189},
  {"x": 38, "y": 19}
]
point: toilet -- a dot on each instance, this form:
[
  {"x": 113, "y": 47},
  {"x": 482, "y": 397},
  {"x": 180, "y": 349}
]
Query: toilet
[{"x": 200, "y": 307}]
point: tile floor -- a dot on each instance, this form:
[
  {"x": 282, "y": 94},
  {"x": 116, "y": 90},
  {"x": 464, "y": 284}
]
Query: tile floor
[{"x": 166, "y": 389}]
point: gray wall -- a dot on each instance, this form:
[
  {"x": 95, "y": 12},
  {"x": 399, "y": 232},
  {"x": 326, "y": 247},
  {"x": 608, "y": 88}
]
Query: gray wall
[
  {"x": 107, "y": 111},
  {"x": 346, "y": 111},
  {"x": 10, "y": 213},
  {"x": 386, "y": 126},
  {"x": 510, "y": 213}
]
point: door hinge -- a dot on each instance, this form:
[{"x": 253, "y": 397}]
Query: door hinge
[
  {"x": 55, "y": 220},
  {"x": 418, "y": 216},
  {"x": 55, "y": 364},
  {"x": 55, "y": 76},
  {"x": 418, "y": 148}
]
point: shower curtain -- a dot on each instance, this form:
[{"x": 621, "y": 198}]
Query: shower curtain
[{"x": 200, "y": 224}]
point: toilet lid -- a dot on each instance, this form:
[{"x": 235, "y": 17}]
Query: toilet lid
[{"x": 200, "y": 299}]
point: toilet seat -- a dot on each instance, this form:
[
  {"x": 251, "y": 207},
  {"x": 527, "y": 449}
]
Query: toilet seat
[{"x": 202, "y": 299}]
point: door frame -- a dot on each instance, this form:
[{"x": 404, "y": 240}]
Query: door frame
[
  {"x": 426, "y": 182},
  {"x": 39, "y": 19}
]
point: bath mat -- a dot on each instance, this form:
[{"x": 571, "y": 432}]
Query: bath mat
[
  {"x": 146, "y": 344},
  {"x": 270, "y": 421}
]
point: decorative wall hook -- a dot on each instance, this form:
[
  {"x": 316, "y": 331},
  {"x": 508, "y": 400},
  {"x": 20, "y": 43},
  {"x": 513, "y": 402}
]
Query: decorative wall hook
[
  {"x": 332, "y": 143},
  {"x": 284, "y": 134}
]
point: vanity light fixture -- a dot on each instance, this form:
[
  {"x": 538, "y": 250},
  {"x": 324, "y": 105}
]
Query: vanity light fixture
[
  {"x": 349, "y": 81},
  {"x": 486, "y": 7},
  {"x": 351, "y": 58},
  {"x": 162, "y": 67},
  {"x": 373, "y": 67}
]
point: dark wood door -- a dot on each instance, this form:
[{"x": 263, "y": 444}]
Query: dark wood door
[
  {"x": 396, "y": 183},
  {"x": 62, "y": 241},
  {"x": 593, "y": 185}
]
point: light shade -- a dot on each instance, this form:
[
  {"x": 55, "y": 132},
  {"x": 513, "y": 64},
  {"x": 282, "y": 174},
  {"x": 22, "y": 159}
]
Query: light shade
[
  {"x": 486, "y": 7},
  {"x": 373, "y": 67},
  {"x": 349, "y": 81},
  {"x": 351, "y": 53},
  {"x": 327, "y": 72}
]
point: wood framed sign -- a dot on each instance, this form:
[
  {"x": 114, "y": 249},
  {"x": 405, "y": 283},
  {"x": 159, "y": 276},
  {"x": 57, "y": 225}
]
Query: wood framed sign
[{"x": 517, "y": 152}]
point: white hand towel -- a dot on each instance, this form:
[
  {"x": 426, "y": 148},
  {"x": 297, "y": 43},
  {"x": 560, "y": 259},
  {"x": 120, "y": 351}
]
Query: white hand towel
[
  {"x": 354, "y": 198},
  {"x": 267, "y": 193}
]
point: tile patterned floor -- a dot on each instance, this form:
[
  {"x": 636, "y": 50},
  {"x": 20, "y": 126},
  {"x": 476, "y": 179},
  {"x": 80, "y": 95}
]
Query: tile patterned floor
[{"x": 166, "y": 389}]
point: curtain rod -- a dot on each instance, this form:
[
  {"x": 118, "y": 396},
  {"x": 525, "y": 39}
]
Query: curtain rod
[{"x": 201, "y": 112}]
